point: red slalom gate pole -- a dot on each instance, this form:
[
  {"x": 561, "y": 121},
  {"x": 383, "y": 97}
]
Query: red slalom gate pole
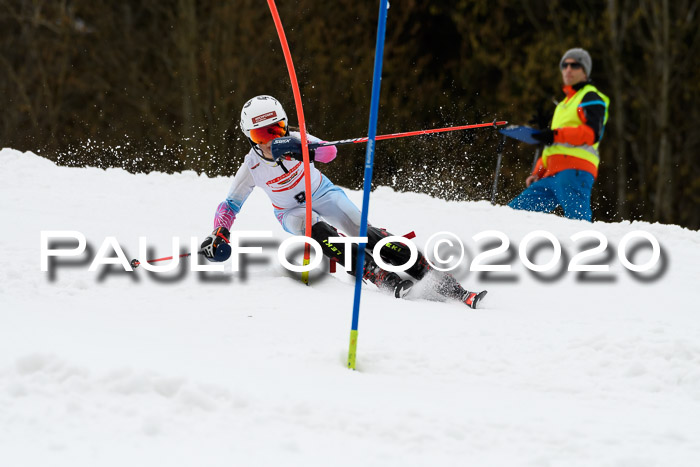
[
  {"x": 411, "y": 133},
  {"x": 302, "y": 128}
]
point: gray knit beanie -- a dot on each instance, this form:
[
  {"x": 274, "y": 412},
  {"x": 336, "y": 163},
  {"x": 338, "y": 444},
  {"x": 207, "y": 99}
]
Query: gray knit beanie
[{"x": 582, "y": 57}]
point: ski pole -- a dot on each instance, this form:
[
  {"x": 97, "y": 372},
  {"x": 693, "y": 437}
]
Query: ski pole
[
  {"x": 501, "y": 145},
  {"x": 409, "y": 133},
  {"x": 538, "y": 151},
  {"x": 136, "y": 263}
]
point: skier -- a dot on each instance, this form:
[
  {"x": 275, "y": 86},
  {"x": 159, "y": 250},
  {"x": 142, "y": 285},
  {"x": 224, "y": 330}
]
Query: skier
[{"x": 262, "y": 120}]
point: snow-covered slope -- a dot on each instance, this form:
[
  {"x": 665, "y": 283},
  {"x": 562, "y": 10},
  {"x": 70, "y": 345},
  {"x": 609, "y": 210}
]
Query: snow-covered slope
[{"x": 113, "y": 368}]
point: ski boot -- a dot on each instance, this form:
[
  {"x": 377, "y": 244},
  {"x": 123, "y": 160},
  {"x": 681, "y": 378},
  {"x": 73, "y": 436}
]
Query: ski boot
[
  {"x": 449, "y": 287},
  {"x": 385, "y": 280},
  {"x": 471, "y": 299}
]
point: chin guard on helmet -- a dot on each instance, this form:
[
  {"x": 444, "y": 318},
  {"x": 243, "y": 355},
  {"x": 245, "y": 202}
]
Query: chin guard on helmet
[{"x": 289, "y": 147}]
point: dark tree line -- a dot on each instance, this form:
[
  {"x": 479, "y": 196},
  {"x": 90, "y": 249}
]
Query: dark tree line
[{"x": 158, "y": 85}]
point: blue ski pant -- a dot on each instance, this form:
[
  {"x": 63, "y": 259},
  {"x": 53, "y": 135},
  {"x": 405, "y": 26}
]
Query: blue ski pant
[{"x": 570, "y": 189}]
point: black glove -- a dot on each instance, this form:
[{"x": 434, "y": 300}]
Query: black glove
[
  {"x": 215, "y": 247},
  {"x": 545, "y": 137},
  {"x": 289, "y": 147}
]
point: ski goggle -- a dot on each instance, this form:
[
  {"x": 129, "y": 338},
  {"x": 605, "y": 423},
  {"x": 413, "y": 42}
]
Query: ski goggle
[{"x": 268, "y": 133}]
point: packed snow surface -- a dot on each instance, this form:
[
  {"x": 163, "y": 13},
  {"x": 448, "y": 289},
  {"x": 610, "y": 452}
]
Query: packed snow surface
[{"x": 183, "y": 368}]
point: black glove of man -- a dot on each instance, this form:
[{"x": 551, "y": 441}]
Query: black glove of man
[
  {"x": 545, "y": 137},
  {"x": 288, "y": 147},
  {"x": 215, "y": 247}
]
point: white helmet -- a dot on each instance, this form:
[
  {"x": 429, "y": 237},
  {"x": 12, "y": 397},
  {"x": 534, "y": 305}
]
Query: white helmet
[{"x": 261, "y": 111}]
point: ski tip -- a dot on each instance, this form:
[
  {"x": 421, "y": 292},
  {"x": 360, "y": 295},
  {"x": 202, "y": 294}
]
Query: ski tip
[{"x": 403, "y": 289}]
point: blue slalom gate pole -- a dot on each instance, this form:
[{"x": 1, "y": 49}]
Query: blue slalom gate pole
[{"x": 369, "y": 163}]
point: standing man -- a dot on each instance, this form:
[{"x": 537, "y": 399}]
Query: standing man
[{"x": 564, "y": 174}]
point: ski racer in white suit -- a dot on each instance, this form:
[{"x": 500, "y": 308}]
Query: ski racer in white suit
[{"x": 263, "y": 119}]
